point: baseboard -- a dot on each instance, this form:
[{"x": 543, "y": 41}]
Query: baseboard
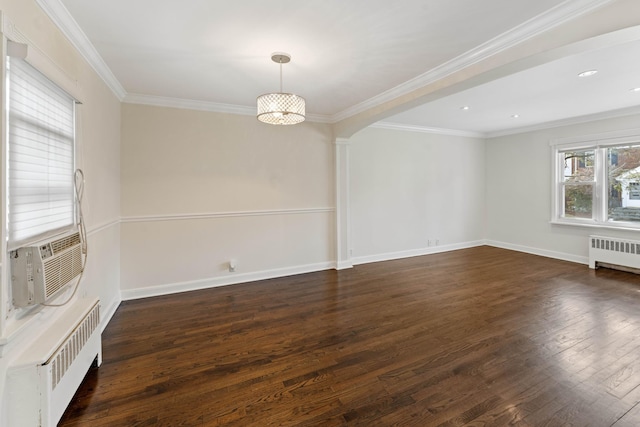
[
  {"x": 415, "y": 252},
  {"x": 541, "y": 252},
  {"x": 343, "y": 265},
  {"x": 109, "y": 311},
  {"x": 213, "y": 282},
  {"x": 172, "y": 288}
]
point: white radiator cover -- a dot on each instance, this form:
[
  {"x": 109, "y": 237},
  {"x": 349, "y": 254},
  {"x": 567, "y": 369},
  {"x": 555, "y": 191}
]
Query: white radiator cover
[
  {"x": 614, "y": 251},
  {"x": 48, "y": 373}
]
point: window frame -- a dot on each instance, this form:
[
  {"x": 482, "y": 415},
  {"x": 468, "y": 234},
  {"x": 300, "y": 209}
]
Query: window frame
[{"x": 599, "y": 143}]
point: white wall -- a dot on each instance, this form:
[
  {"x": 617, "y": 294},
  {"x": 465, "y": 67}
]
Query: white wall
[
  {"x": 519, "y": 193},
  {"x": 98, "y": 155},
  {"x": 409, "y": 188},
  {"x": 201, "y": 188}
]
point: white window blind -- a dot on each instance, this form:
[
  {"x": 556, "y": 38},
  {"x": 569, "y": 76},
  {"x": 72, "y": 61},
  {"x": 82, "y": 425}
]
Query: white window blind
[{"x": 41, "y": 137}]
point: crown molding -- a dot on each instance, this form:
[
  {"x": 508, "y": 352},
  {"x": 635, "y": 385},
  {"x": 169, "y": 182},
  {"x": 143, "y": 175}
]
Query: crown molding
[
  {"x": 188, "y": 104},
  {"x": 70, "y": 28},
  {"x": 192, "y": 104},
  {"x": 61, "y": 17},
  {"x": 613, "y": 114},
  {"x": 564, "y": 12},
  {"x": 427, "y": 129}
]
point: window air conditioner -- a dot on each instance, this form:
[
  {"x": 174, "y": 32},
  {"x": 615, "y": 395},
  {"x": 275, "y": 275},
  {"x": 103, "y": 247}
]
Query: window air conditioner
[{"x": 39, "y": 273}]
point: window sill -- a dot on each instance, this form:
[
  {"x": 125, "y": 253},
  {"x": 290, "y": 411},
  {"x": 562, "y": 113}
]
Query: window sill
[{"x": 625, "y": 226}]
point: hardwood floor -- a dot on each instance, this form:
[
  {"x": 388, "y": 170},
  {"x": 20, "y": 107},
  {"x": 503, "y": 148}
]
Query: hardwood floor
[{"x": 477, "y": 337}]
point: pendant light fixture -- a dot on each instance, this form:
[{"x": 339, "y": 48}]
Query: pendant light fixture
[{"x": 281, "y": 108}]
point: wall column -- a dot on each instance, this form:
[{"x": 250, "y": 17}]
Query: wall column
[{"x": 343, "y": 216}]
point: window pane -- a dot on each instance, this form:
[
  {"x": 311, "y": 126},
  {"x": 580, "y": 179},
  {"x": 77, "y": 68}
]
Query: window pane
[
  {"x": 578, "y": 166},
  {"x": 578, "y": 201},
  {"x": 623, "y": 183},
  {"x": 40, "y": 150}
]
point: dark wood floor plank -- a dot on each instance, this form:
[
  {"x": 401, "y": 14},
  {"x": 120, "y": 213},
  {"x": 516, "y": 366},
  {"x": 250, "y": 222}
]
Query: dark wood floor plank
[{"x": 477, "y": 337}]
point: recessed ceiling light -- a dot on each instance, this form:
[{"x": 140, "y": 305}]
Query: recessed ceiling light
[
  {"x": 587, "y": 73},
  {"x": 515, "y": 116},
  {"x": 635, "y": 89},
  {"x": 465, "y": 108}
]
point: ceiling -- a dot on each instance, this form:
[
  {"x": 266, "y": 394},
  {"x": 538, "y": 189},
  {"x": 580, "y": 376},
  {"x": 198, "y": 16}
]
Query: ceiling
[
  {"x": 347, "y": 56},
  {"x": 543, "y": 94}
]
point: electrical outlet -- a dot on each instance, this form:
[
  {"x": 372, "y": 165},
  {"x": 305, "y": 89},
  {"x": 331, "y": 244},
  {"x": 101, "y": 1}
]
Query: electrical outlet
[{"x": 233, "y": 264}]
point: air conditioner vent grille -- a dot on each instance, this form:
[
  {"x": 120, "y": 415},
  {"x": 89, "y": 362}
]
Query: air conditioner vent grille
[
  {"x": 61, "y": 270},
  {"x": 65, "y": 243}
]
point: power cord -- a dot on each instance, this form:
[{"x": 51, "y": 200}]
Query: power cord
[{"x": 78, "y": 184}]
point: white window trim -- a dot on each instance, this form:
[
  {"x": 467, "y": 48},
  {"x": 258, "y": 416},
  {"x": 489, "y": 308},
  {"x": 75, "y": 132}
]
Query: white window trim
[{"x": 596, "y": 142}]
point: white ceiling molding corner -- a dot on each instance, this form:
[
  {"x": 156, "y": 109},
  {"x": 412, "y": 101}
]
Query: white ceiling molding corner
[
  {"x": 424, "y": 129},
  {"x": 630, "y": 111},
  {"x": 60, "y": 16},
  {"x": 564, "y": 12}
]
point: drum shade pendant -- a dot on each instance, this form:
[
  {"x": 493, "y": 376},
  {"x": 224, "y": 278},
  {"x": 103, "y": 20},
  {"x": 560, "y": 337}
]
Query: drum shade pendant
[{"x": 281, "y": 108}]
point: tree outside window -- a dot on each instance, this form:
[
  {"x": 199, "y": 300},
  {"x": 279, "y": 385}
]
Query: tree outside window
[{"x": 578, "y": 184}]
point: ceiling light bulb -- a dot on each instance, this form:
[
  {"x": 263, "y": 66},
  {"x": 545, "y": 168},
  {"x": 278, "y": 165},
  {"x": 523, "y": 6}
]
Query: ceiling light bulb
[
  {"x": 587, "y": 73},
  {"x": 635, "y": 89},
  {"x": 515, "y": 116},
  {"x": 465, "y": 108}
]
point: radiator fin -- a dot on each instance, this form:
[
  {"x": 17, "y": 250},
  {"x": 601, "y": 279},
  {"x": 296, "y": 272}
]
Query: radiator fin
[
  {"x": 628, "y": 247},
  {"x": 66, "y": 354},
  {"x": 614, "y": 252}
]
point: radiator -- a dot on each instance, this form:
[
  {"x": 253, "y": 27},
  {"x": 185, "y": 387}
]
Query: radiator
[
  {"x": 48, "y": 374},
  {"x": 614, "y": 252}
]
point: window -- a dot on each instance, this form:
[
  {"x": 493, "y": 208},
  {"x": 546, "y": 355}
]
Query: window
[
  {"x": 597, "y": 181},
  {"x": 578, "y": 183},
  {"x": 634, "y": 191},
  {"x": 40, "y": 151},
  {"x": 623, "y": 175}
]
